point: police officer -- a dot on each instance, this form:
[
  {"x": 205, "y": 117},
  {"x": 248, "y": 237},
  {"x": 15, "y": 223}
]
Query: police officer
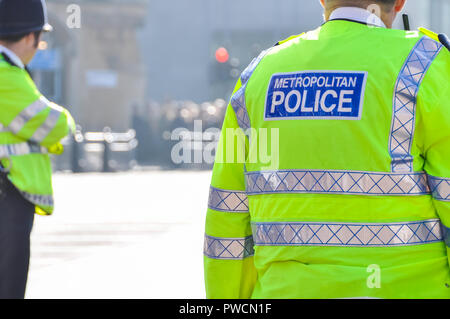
[
  {"x": 31, "y": 127},
  {"x": 354, "y": 198}
]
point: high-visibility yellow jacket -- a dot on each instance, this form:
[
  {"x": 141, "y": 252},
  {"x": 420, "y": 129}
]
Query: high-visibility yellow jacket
[
  {"x": 31, "y": 128},
  {"x": 342, "y": 187}
]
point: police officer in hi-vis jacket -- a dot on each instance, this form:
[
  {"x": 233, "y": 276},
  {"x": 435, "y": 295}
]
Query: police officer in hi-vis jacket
[
  {"x": 357, "y": 202},
  {"x": 31, "y": 127}
]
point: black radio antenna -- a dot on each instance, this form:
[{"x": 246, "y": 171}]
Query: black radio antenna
[{"x": 406, "y": 22}]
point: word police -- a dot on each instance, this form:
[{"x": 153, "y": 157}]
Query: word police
[{"x": 316, "y": 95}]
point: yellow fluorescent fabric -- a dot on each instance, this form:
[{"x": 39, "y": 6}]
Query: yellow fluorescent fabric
[
  {"x": 32, "y": 128},
  {"x": 345, "y": 207}
]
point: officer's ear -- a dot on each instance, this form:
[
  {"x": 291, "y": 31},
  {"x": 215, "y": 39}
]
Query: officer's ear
[
  {"x": 29, "y": 39},
  {"x": 399, "y": 5},
  {"x": 33, "y": 39}
]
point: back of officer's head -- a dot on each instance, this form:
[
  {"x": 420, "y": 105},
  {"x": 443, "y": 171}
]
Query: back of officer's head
[
  {"x": 24, "y": 45},
  {"x": 387, "y": 10}
]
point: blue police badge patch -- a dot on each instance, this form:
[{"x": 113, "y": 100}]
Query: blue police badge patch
[{"x": 316, "y": 95}]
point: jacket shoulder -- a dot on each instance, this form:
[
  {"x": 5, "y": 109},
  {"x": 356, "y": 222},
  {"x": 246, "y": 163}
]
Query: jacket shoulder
[
  {"x": 289, "y": 39},
  {"x": 15, "y": 78},
  {"x": 313, "y": 34}
]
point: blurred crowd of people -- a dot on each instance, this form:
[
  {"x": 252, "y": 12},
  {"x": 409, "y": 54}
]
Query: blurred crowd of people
[{"x": 155, "y": 122}]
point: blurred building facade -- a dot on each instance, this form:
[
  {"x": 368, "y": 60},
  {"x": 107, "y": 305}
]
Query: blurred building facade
[{"x": 97, "y": 71}]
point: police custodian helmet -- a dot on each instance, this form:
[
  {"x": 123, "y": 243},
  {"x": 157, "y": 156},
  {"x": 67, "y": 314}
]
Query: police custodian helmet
[{"x": 23, "y": 16}]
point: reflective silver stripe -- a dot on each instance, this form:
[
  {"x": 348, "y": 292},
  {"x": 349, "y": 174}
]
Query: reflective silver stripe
[
  {"x": 39, "y": 200},
  {"x": 404, "y": 103},
  {"x": 440, "y": 187},
  {"x": 228, "y": 201},
  {"x": 347, "y": 234},
  {"x": 336, "y": 182},
  {"x": 28, "y": 113},
  {"x": 238, "y": 99},
  {"x": 228, "y": 248},
  {"x": 20, "y": 149},
  {"x": 46, "y": 127}
]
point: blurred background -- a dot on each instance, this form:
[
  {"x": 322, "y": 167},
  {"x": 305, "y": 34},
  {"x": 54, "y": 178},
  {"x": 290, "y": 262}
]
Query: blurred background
[{"x": 131, "y": 72}]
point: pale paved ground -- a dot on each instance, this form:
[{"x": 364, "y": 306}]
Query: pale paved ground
[{"x": 125, "y": 235}]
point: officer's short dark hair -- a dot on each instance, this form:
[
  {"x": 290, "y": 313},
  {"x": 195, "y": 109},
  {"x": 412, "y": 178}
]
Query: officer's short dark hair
[
  {"x": 387, "y": 4},
  {"x": 13, "y": 38}
]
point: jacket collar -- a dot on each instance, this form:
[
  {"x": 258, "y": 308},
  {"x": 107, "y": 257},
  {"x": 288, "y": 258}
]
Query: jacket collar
[
  {"x": 12, "y": 56},
  {"x": 358, "y": 15}
]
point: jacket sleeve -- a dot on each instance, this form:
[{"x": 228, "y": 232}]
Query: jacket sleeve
[
  {"x": 433, "y": 100},
  {"x": 228, "y": 247},
  {"x": 28, "y": 114}
]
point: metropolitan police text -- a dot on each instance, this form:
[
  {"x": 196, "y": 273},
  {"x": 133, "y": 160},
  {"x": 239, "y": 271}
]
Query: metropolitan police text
[{"x": 315, "y": 94}]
